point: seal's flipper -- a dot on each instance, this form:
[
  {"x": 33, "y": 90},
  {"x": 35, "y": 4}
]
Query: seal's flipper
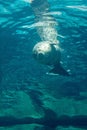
[{"x": 58, "y": 69}]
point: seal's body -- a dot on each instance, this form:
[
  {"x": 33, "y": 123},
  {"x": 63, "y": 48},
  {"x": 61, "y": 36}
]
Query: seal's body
[{"x": 47, "y": 51}]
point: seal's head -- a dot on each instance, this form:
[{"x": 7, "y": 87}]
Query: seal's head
[
  {"x": 49, "y": 54},
  {"x": 46, "y": 53}
]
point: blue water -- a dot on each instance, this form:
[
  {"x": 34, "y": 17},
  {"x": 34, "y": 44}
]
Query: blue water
[{"x": 20, "y": 72}]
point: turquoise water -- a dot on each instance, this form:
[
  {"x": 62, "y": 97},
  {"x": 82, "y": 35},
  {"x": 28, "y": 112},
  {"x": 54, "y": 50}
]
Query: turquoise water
[{"x": 25, "y": 88}]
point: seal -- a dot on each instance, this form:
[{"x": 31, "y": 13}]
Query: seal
[
  {"x": 47, "y": 51},
  {"x": 49, "y": 54}
]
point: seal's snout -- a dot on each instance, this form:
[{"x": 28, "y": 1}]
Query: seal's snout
[{"x": 40, "y": 55}]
